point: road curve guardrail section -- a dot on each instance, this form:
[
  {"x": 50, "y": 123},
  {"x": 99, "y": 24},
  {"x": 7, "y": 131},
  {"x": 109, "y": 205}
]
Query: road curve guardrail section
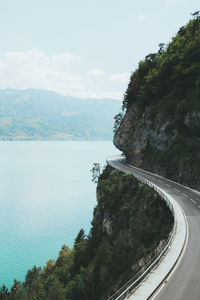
[{"x": 159, "y": 267}]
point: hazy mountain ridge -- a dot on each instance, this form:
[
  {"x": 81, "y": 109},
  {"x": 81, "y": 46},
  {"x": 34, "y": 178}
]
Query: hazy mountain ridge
[{"x": 44, "y": 115}]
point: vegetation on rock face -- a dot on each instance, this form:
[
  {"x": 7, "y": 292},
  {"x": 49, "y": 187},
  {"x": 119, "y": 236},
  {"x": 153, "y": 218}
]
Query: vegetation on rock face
[
  {"x": 96, "y": 171},
  {"x": 164, "y": 97},
  {"x": 169, "y": 79},
  {"x": 130, "y": 222}
]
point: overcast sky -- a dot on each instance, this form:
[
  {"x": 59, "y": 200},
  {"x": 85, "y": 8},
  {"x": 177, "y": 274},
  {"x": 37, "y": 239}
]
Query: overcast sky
[{"x": 83, "y": 48}]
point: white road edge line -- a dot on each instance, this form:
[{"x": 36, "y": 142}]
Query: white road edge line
[
  {"x": 193, "y": 201},
  {"x": 185, "y": 195},
  {"x": 177, "y": 263}
]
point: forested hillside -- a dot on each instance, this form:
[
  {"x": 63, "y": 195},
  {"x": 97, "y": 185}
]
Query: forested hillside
[
  {"x": 44, "y": 115},
  {"x": 130, "y": 224},
  {"x": 161, "y": 127}
]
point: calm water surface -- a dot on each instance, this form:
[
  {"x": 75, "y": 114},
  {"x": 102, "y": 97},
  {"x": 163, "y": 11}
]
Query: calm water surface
[{"x": 46, "y": 196}]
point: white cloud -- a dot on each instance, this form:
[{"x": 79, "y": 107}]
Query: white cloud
[
  {"x": 35, "y": 69},
  {"x": 64, "y": 59},
  {"x": 121, "y": 77},
  {"x": 96, "y": 72},
  {"x": 142, "y": 17}
]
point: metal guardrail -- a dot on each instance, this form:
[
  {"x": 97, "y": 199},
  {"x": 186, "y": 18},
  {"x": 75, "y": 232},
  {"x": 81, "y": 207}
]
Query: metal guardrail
[{"x": 131, "y": 285}]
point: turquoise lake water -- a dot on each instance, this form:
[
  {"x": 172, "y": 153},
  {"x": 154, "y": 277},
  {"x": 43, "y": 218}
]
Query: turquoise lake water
[{"x": 46, "y": 197}]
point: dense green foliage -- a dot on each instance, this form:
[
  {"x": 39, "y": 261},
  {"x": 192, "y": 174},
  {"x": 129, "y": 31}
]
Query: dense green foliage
[
  {"x": 170, "y": 79},
  {"x": 129, "y": 222},
  {"x": 37, "y": 114},
  {"x": 164, "y": 92}
]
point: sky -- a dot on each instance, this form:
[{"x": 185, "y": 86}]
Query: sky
[{"x": 84, "y": 49}]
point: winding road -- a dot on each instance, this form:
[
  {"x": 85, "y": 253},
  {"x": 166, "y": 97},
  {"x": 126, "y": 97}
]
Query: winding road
[{"x": 184, "y": 284}]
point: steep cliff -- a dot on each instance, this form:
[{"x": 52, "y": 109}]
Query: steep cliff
[
  {"x": 160, "y": 131},
  {"x": 130, "y": 225}
]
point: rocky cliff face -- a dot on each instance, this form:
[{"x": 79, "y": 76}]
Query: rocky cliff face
[
  {"x": 148, "y": 143},
  {"x": 160, "y": 131},
  {"x": 133, "y": 219},
  {"x": 138, "y": 131}
]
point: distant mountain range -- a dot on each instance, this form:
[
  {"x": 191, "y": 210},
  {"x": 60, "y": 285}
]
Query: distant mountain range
[{"x": 44, "y": 115}]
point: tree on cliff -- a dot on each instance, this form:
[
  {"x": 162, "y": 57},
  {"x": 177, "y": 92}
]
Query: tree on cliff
[
  {"x": 118, "y": 118},
  {"x": 96, "y": 171}
]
